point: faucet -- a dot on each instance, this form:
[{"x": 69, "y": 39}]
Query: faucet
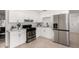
[{"x": 19, "y": 25}]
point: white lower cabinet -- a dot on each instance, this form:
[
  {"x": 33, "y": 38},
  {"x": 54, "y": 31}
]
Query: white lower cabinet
[
  {"x": 17, "y": 38},
  {"x": 47, "y": 33},
  {"x": 38, "y": 31},
  {"x": 44, "y": 32}
]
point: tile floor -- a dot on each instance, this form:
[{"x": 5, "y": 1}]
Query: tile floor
[
  {"x": 41, "y": 43},
  {"x": 74, "y": 40}
]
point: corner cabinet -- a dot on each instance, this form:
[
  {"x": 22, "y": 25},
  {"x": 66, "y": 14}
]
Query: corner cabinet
[
  {"x": 44, "y": 32},
  {"x": 17, "y": 38},
  {"x": 47, "y": 33}
]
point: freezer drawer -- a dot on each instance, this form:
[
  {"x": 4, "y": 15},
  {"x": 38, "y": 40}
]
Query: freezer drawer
[
  {"x": 56, "y": 36},
  {"x": 64, "y": 37}
]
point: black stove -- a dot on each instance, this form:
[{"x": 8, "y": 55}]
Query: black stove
[{"x": 30, "y": 33}]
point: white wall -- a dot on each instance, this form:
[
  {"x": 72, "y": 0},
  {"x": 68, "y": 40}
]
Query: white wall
[
  {"x": 20, "y": 15},
  {"x": 74, "y": 22},
  {"x": 50, "y": 13}
]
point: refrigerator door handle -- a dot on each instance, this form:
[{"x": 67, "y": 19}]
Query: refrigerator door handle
[{"x": 55, "y": 25}]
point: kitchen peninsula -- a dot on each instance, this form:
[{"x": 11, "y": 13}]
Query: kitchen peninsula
[{"x": 21, "y": 34}]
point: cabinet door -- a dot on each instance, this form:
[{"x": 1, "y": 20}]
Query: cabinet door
[
  {"x": 17, "y": 38},
  {"x": 38, "y": 31},
  {"x": 48, "y": 33},
  {"x": 43, "y": 32},
  {"x": 13, "y": 39},
  {"x": 22, "y": 36}
]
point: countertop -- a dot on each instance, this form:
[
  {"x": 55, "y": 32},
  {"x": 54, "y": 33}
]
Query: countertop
[
  {"x": 17, "y": 30},
  {"x": 44, "y": 27}
]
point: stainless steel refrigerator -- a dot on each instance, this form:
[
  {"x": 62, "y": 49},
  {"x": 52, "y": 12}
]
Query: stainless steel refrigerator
[{"x": 61, "y": 29}]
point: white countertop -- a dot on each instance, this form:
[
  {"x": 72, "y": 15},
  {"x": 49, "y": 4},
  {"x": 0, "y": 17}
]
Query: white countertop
[{"x": 17, "y": 30}]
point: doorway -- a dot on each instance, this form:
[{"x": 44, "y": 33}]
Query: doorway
[{"x": 2, "y": 28}]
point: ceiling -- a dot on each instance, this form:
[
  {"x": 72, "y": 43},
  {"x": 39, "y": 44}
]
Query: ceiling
[{"x": 40, "y": 11}]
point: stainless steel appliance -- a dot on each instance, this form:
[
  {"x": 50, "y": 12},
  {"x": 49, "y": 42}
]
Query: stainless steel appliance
[
  {"x": 2, "y": 32},
  {"x": 30, "y": 33},
  {"x": 61, "y": 29}
]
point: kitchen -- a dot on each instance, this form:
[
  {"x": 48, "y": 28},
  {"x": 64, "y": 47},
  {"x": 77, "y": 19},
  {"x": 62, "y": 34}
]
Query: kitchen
[
  {"x": 23, "y": 18},
  {"x": 40, "y": 25}
]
